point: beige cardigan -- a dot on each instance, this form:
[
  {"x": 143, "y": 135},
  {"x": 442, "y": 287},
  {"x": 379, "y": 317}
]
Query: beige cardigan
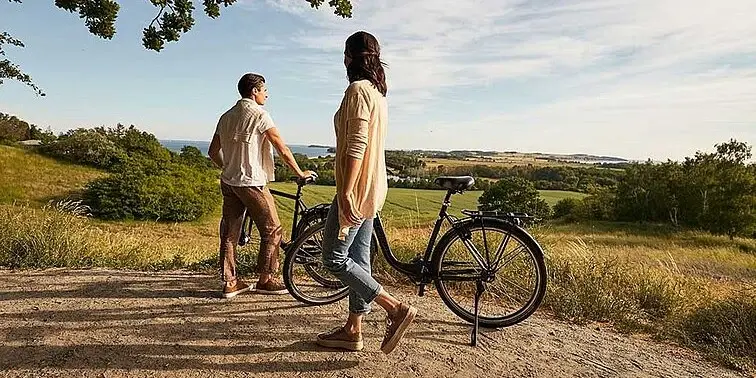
[{"x": 364, "y": 140}]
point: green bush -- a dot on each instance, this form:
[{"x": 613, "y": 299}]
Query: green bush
[
  {"x": 565, "y": 207},
  {"x": 193, "y": 157},
  {"x": 85, "y": 146},
  {"x": 147, "y": 181},
  {"x": 514, "y": 194},
  {"x": 173, "y": 192}
]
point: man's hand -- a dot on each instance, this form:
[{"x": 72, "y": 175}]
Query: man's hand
[{"x": 307, "y": 174}]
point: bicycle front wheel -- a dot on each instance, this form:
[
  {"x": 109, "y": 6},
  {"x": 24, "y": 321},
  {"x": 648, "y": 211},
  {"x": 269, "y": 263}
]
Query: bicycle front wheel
[
  {"x": 498, "y": 257},
  {"x": 305, "y": 277}
]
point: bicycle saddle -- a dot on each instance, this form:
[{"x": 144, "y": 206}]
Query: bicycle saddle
[{"x": 457, "y": 183}]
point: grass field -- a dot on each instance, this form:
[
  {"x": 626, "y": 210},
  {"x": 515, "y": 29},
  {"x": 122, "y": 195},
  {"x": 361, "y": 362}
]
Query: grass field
[
  {"x": 29, "y": 177},
  {"x": 682, "y": 285}
]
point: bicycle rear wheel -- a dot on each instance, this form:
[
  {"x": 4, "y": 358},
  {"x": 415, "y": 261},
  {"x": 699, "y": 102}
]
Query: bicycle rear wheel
[
  {"x": 508, "y": 263},
  {"x": 304, "y": 275}
]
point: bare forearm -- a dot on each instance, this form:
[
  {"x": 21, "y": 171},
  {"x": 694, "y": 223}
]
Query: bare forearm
[{"x": 288, "y": 158}]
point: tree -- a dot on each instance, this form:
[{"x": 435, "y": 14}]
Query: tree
[
  {"x": 174, "y": 18},
  {"x": 9, "y": 70},
  {"x": 514, "y": 194},
  {"x": 12, "y": 128},
  {"x": 565, "y": 207},
  {"x": 727, "y": 187},
  {"x": 192, "y": 156}
]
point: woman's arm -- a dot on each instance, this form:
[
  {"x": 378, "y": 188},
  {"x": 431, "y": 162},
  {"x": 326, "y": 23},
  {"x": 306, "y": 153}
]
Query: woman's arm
[{"x": 356, "y": 144}]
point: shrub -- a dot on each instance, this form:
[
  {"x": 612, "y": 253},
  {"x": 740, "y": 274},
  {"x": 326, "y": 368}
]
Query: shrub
[
  {"x": 565, "y": 207},
  {"x": 85, "y": 146},
  {"x": 514, "y": 194},
  {"x": 172, "y": 193}
]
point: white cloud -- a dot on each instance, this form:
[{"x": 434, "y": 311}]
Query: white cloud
[{"x": 677, "y": 74}]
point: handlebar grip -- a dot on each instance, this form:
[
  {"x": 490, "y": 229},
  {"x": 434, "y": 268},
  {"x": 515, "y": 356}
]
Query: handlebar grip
[{"x": 304, "y": 181}]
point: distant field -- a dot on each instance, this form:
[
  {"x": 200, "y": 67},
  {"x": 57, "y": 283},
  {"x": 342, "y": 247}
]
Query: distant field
[
  {"x": 27, "y": 176},
  {"x": 410, "y": 207},
  {"x": 500, "y": 161}
]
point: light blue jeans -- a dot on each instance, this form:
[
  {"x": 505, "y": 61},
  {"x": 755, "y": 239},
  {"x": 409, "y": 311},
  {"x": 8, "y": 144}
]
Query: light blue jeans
[{"x": 349, "y": 260}]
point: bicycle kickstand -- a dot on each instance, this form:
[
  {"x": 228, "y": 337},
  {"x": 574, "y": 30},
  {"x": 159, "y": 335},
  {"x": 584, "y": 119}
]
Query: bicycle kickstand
[{"x": 479, "y": 289}]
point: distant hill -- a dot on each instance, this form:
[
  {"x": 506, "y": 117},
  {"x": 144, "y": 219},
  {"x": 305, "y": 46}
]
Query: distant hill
[{"x": 478, "y": 154}]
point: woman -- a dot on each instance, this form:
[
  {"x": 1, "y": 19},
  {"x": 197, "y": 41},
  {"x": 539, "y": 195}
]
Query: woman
[{"x": 361, "y": 186}]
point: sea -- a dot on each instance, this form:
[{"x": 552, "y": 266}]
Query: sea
[{"x": 309, "y": 151}]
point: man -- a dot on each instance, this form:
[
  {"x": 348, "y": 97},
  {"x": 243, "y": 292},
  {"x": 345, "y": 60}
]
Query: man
[{"x": 241, "y": 147}]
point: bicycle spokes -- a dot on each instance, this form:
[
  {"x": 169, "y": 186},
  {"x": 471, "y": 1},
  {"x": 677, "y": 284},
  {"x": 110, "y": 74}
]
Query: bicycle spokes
[
  {"x": 310, "y": 278},
  {"x": 498, "y": 261}
]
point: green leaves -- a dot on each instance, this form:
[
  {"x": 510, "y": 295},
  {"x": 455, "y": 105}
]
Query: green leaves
[
  {"x": 9, "y": 70},
  {"x": 342, "y": 8},
  {"x": 174, "y": 18},
  {"x": 712, "y": 191},
  {"x": 514, "y": 194},
  {"x": 99, "y": 15}
]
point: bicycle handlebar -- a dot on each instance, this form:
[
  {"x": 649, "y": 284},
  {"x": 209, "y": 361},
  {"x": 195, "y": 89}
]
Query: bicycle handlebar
[{"x": 305, "y": 181}]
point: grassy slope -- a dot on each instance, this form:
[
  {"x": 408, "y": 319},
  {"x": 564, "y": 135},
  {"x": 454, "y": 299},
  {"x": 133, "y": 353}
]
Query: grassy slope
[{"x": 29, "y": 177}]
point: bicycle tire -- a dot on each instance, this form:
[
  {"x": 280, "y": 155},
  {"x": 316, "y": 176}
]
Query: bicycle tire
[
  {"x": 288, "y": 272},
  {"x": 535, "y": 250}
]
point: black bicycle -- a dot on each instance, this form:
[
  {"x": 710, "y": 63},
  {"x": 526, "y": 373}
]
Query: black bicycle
[
  {"x": 303, "y": 216},
  {"x": 511, "y": 275}
]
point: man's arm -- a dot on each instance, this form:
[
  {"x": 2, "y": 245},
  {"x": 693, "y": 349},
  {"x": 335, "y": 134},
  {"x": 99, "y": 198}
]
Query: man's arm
[
  {"x": 283, "y": 150},
  {"x": 216, "y": 155}
]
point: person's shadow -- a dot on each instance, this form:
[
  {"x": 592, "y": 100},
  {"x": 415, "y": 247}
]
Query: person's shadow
[
  {"x": 158, "y": 322},
  {"x": 163, "y": 357}
]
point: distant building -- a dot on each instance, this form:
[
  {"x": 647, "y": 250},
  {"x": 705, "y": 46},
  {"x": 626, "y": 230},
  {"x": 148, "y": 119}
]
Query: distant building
[{"x": 30, "y": 142}]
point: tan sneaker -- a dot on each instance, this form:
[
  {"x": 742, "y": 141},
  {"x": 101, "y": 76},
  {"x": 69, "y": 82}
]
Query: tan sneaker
[
  {"x": 396, "y": 327},
  {"x": 271, "y": 287},
  {"x": 340, "y": 339},
  {"x": 232, "y": 291}
]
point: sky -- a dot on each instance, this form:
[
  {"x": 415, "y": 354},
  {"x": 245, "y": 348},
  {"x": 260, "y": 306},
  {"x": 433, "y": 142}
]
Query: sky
[{"x": 638, "y": 79}]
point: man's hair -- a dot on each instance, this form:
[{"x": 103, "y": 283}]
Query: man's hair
[{"x": 248, "y": 82}]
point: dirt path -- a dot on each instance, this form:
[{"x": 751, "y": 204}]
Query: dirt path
[{"x": 102, "y": 323}]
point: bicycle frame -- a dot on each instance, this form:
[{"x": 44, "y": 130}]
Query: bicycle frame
[
  {"x": 418, "y": 268},
  {"x": 300, "y": 208}
]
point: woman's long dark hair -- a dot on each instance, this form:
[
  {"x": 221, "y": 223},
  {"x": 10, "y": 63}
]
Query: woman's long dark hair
[{"x": 362, "y": 47}]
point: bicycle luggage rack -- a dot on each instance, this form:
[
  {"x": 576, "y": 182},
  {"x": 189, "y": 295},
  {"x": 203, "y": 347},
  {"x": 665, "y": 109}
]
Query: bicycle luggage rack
[{"x": 513, "y": 217}]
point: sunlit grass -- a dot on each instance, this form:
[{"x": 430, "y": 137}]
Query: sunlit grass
[{"x": 27, "y": 177}]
